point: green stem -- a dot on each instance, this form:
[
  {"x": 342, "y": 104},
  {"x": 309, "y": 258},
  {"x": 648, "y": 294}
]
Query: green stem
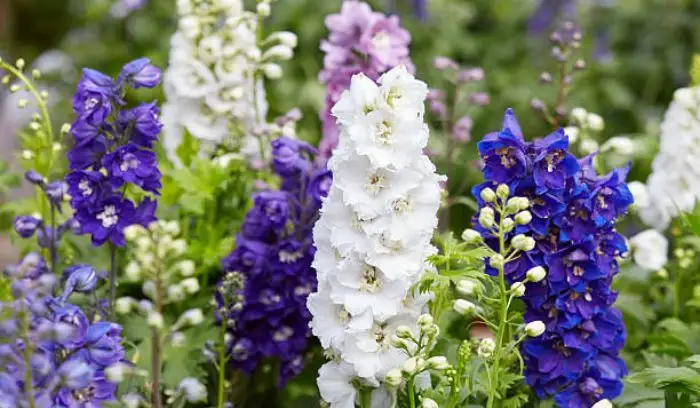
[
  {"x": 366, "y": 398},
  {"x": 222, "y": 363},
  {"x": 112, "y": 280},
  {"x": 677, "y": 293},
  {"x": 501, "y": 334},
  {"x": 411, "y": 391}
]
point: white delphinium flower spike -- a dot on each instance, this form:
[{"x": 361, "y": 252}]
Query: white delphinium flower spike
[{"x": 373, "y": 236}]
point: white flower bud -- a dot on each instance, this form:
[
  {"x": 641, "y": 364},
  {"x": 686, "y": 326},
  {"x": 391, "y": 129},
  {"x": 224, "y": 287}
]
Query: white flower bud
[
  {"x": 263, "y": 9},
  {"x": 508, "y": 224},
  {"x": 117, "y": 372},
  {"x": 523, "y": 217},
  {"x": 393, "y": 378},
  {"x": 192, "y": 317},
  {"x": 497, "y": 261},
  {"x": 466, "y": 287},
  {"x": 536, "y": 274},
  {"x": 272, "y": 70},
  {"x": 56, "y": 147},
  {"x": 403, "y": 332},
  {"x": 471, "y": 236},
  {"x": 588, "y": 146},
  {"x": 172, "y": 227},
  {"x": 190, "y": 26},
  {"x": 464, "y": 307},
  {"x": 132, "y": 400},
  {"x": 65, "y": 128},
  {"x": 535, "y": 329},
  {"x": 185, "y": 267},
  {"x": 486, "y": 217},
  {"x": 621, "y": 145},
  {"x": 176, "y": 293},
  {"x": 22, "y": 103},
  {"x": 155, "y": 319},
  {"x": 132, "y": 271},
  {"x": 124, "y": 305},
  {"x": 425, "y": 320},
  {"x": 488, "y": 195},
  {"x": 178, "y": 339},
  {"x": 287, "y": 38},
  {"x": 192, "y": 389},
  {"x": 486, "y": 348},
  {"x": 184, "y": 7},
  {"x": 572, "y": 132},
  {"x": 191, "y": 285},
  {"x": 149, "y": 289},
  {"x": 605, "y": 403},
  {"x": 580, "y": 115},
  {"x": 503, "y": 191},
  {"x": 518, "y": 289},
  {"x": 523, "y": 243},
  {"x": 179, "y": 246},
  {"x": 595, "y": 122},
  {"x": 428, "y": 403},
  {"x": 27, "y": 154},
  {"x": 132, "y": 232},
  {"x": 278, "y": 53},
  {"x": 20, "y": 64},
  {"x": 437, "y": 363},
  {"x": 517, "y": 204},
  {"x": 640, "y": 193},
  {"x": 410, "y": 366}
]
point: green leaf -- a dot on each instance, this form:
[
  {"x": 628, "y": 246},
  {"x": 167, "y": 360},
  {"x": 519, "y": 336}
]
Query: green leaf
[
  {"x": 695, "y": 70},
  {"x": 193, "y": 203},
  {"x": 675, "y": 379},
  {"x": 188, "y": 149}
]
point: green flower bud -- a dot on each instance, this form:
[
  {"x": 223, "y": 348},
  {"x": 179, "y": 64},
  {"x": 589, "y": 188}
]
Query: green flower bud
[
  {"x": 487, "y": 217},
  {"x": 523, "y": 243},
  {"x": 535, "y": 329},
  {"x": 488, "y": 195},
  {"x": 523, "y": 217},
  {"x": 502, "y": 191},
  {"x": 471, "y": 236}
]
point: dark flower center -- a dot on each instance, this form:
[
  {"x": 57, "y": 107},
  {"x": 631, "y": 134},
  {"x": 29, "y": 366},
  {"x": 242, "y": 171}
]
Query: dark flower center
[{"x": 507, "y": 159}]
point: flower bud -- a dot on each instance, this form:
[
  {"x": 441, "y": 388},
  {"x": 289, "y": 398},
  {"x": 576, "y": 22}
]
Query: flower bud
[
  {"x": 263, "y": 9},
  {"x": 437, "y": 363},
  {"x": 503, "y": 191},
  {"x": 523, "y": 217},
  {"x": 155, "y": 320},
  {"x": 191, "y": 285},
  {"x": 595, "y": 122},
  {"x": 497, "y": 261},
  {"x": 488, "y": 195},
  {"x": 517, "y": 204},
  {"x": 272, "y": 70},
  {"x": 425, "y": 320},
  {"x": 410, "y": 366},
  {"x": 471, "y": 236},
  {"x": 508, "y": 224},
  {"x": 580, "y": 115},
  {"x": 605, "y": 403},
  {"x": 588, "y": 146},
  {"x": 466, "y": 287},
  {"x": 287, "y": 38},
  {"x": 486, "y": 217},
  {"x": 132, "y": 271},
  {"x": 572, "y": 132},
  {"x": 486, "y": 348},
  {"x": 403, "y": 332},
  {"x": 192, "y": 317},
  {"x": 123, "y": 305},
  {"x": 536, "y": 274},
  {"x": 278, "y": 52},
  {"x": 117, "y": 372},
  {"x": 429, "y": 403},
  {"x": 518, "y": 289},
  {"x": 393, "y": 378},
  {"x": 535, "y": 329},
  {"x": 464, "y": 307},
  {"x": 523, "y": 243}
]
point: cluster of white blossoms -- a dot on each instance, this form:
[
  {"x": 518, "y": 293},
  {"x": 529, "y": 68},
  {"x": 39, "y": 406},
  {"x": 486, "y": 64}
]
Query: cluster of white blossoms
[
  {"x": 674, "y": 184},
  {"x": 373, "y": 236},
  {"x": 213, "y": 83}
]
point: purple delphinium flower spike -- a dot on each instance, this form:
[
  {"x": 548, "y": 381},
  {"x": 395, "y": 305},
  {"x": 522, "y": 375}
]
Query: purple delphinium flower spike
[
  {"x": 574, "y": 212},
  {"x": 273, "y": 254},
  {"x": 360, "y": 40},
  {"x": 113, "y": 147}
]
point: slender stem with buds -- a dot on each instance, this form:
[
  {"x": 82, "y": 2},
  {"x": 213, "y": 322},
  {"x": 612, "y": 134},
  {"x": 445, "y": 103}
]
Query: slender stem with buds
[
  {"x": 155, "y": 338},
  {"x": 112, "y": 280},
  {"x": 223, "y": 360}
]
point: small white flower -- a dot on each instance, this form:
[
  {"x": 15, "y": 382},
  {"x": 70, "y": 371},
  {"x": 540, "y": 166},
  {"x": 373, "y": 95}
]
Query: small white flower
[
  {"x": 335, "y": 383},
  {"x": 192, "y": 389},
  {"x": 620, "y": 145},
  {"x": 185, "y": 267},
  {"x": 132, "y": 271},
  {"x": 178, "y": 339},
  {"x": 287, "y": 38},
  {"x": 579, "y": 115},
  {"x": 428, "y": 403},
  {"x": 149, "y": 289},
  {"x": 124, "y": 305},
  {"x": 471, "y": 236},
  {"x": 132, "y": 400},
  {"x": 572, "y": 132},
  {"x": 486, "y": 348},
  {"x": 466, "y": 287},
  {"x": 393, "y": 378},
  {"x": 278, "y": 53},
  {"x": 650, "y": 249},
  {"x": 117, "y": 372},
  {"x": 272, "y": 70},
  {"x": 535, "y": 329}
]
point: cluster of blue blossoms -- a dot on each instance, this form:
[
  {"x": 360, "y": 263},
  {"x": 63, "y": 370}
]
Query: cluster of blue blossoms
[
  {"x": 273, "y": 253},
  {"x": 113, "y": 148},
  {"x": 51, "y": 353},
  {"x": 574, "y": 212}
]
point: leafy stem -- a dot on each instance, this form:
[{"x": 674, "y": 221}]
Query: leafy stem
[{"x": 222, "y": 362}]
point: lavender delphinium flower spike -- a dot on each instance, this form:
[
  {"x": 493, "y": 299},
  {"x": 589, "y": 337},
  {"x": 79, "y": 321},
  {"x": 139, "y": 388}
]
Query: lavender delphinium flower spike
[
  {"x": 574, "y": 212},
  {"x": 360, "y": 41},
  {"x": 113, "y": 147},
  {"x": 273, "y": 255}
]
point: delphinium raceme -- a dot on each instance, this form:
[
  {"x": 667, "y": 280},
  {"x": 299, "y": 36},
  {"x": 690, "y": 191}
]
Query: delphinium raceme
[
  {"x": 55, "y": 354},
  {"x": 360, "y": 40},
  {"x": 572, "y": 218},
  {"x": 214, "y": 82},
  {"x": 273, "y": 255},
  {"x": 373, "y": 239},
  {"x": 112, "y": 160}
]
